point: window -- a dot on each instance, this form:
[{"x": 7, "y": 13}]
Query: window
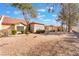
[{"x": 20, "y": 28}]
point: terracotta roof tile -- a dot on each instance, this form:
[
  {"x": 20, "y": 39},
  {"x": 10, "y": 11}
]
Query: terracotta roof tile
[
  {"x": 9, "y": 21},
  {"x": 36, "y": 23}
]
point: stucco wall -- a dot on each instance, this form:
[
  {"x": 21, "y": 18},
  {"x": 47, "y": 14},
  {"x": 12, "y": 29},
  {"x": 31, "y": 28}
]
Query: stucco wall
[
  {"x": 5, "y": 26},
  {"x": 19, "y": 24},
  {"x": 50, "y": 28},
  {"x": 37, "y": 27}
]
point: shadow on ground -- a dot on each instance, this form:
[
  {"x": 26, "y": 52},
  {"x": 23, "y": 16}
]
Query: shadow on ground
[
  {"x": 54, "y": 33},
  {"x": 76, "y": 33},
  {"x": 72, "y": 37},
  {"x": 58, "y": 48}
]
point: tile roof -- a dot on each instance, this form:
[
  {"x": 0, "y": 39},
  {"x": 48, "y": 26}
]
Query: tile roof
[
  {"x": 9, "y": 21},
  {"x": 36, "y": 23}
]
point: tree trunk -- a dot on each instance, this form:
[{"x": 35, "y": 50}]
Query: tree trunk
[
  {"x": 69, "y": 28},
  {"x": 69, "y": 20},
  {"x": 26, "y": 30},
  {"x": 62, "y": 25},
  {"x": 66, "y": 28}
]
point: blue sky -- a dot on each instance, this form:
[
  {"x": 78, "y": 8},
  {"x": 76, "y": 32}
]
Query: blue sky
[{"x": 43, "y": 16}]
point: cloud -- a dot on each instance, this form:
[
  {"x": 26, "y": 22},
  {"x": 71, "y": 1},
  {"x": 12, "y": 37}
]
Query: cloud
[
  {"x": 16, "y": 12},
  {"x": 46, "y": 20},
  {"x": 51, "y": 8},
  {"x": 54, "y": 15},
  {"x": 40, "y": 16},
  {"x": 42, "y": 10}
]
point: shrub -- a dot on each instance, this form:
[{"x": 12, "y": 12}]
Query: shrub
[
  {"x": 53, "y": 30},
  {"x": 59, "y": 30},
  {"x": 37, "y": 31},
  {"x": 14, "y": 32},
  {"x": 40, "y": 31},
  {"x": 22, "y": 32}
]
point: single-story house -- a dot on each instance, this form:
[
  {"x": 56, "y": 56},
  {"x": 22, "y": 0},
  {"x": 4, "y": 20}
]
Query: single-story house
[
  {"x": 53, "y": 28},
  {"x": 36, "y": 26},
  {"x": 60, "y": 28},
  {"x": 13, "y": 24},
  {"x": 49, "y": 28}
]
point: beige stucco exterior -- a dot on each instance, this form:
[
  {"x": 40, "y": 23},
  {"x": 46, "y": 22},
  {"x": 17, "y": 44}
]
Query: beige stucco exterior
[
  {"x": 5, "y": 26},
  {"x": 14, "y": 27},
  {"x": 19, "y": 24},
  {"x": 35, "y": 27},
  {"x": 49, "y": 28},
  {"x": 52, "y": 28}
]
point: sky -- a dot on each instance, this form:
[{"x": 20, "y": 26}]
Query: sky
[{"x": 43, "y": 16}]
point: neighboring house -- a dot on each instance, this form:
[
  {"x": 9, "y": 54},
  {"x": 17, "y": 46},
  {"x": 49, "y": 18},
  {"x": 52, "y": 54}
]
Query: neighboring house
[
  {"x": 36, "y": 26},
  {"x": 60, "y": 28},
  {"x": 55, "y": 28},
  {"x": 13, "y": 24},
  {"x": 51, "y": 28}
]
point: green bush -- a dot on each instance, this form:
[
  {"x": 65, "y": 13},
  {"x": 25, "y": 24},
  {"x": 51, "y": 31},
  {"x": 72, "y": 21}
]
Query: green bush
[
  {"x": 59, "y": 30},
  {"x": 40, "y": 31},
  {"x": 14, "y": 32},
  {"x": 53, "y": 30},
  {"x": 22, "y": 32}
]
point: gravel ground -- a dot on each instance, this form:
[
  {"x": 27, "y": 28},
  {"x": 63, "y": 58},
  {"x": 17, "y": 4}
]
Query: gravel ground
[{"x": 53, "y": 44}]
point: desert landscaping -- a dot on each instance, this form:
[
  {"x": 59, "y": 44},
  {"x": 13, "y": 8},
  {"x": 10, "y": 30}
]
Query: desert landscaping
[
  {"x": 39, "y": 29},
  {"x": 51, "y": 44}
]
